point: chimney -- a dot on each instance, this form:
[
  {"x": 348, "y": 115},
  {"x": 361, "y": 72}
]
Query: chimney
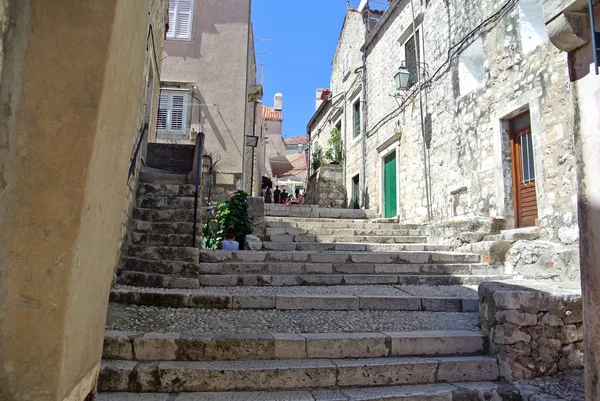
[{"x": 278, "y": 102}]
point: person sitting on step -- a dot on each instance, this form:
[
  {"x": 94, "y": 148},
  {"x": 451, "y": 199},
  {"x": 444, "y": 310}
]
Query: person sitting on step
[{"x": 230, "y": 244}]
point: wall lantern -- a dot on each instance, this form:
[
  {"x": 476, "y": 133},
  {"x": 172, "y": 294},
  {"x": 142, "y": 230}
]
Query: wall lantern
[
  {"x": 251, "y": 141},
  {"x": 402, "y": 77}
]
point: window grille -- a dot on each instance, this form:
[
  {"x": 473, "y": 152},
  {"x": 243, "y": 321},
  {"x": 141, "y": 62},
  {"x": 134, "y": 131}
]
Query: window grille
[
  {"x": 356, "y": 113},
  {"x": 412, "y": 53}
]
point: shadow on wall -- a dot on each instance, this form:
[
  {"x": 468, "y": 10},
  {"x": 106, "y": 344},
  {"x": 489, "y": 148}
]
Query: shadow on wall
[{"x": 208, "y": 14}]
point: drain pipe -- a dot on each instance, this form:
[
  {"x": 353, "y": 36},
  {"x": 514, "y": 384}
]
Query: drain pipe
[
  {"x": 425, "y": 156},
  {"x": 363, "y": 178},
  {"x": 244, "y": 154}
]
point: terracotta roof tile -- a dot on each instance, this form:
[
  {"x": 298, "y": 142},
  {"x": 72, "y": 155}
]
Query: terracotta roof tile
[
  {"x": 269, "y": 113},
  {"x": 296, "y": 139}
]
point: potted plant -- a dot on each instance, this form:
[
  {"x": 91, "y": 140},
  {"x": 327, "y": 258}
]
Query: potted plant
[{"x": 334, "y": 153}]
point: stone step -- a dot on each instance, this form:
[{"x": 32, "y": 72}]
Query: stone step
[
  {"x": 164, "y": 215},
  {"x": 153, "y": 177},
  {"x": 346, "y": 239},
  {"x": 306, "y": 211},
  {"x": 162, "y": 202},
  {"x": 287, "y": 267},
  {"x": 176, "y": 240},
  {"x": 165, "y": 253},
  {"x": 258, "y": 280},
  {"x": 293, "y": 374},
  {"x": 183, "y": 269},
  {"x": 209, "y": 256},
  {"x": 345, "y": 232},
  {"x": 518, "y": 234},
  {"x": 472, "y": 391},
  {"x": 141, "y": 226},
  {"x": 166, "y": 190},
  {"x": 299, "y": 222},
  {"x": 329, "y": 300},
  {"x": 350, "y": 246},
  {"x": 142, "y": 346}
]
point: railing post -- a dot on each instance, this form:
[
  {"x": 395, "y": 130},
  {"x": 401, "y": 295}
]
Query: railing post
[{"x": 199, "y": 151}]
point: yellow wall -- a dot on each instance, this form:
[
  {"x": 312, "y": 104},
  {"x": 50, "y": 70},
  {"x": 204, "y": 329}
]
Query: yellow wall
[{"x": 70, "y": 107}]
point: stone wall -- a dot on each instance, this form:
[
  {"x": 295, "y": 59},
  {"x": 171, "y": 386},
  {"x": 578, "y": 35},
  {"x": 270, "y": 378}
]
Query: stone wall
[
  {"x": 64, "y": 162},
  {"x": 458, "y": 162},
  {"x": 174, "y": 158},
  {"x": 534, "y": 330},
  {"x": 325, "y": 187}
]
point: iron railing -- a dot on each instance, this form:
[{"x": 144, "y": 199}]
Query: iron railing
[
  {"x": 199, "y": 151},
  {"x": 133, "y": 162}
]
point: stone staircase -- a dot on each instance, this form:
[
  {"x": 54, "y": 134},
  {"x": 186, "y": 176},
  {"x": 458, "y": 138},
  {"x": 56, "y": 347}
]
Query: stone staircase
[{"x": 325, "y": 308}]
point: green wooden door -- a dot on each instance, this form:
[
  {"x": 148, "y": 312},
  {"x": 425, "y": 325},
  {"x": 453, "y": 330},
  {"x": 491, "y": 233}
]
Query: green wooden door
[
  {"x": 356, "y": 192},
  {"x": 389, "y": 182}
]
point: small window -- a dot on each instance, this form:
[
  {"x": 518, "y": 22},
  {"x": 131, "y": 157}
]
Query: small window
[
  {"x": 180, "y": 19},
  {"x": 172, "y": 112},
  {"x": 356, "y": 115},
  {"x": 346, "y": 64},
  {"x": 412, "y": 57}
]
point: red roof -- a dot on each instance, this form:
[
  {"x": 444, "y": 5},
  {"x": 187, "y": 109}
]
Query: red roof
[
  {"x": 269, "y": 113},
  {"x": 296, "y": 139}
]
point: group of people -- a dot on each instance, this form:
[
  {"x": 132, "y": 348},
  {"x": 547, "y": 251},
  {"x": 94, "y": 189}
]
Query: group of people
[{"x": 281, "y": 196}]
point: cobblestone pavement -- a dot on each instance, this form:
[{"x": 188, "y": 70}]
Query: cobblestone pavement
[
  {"x": 390, "y": 290},
  {"x": 567, "y": 386},
  {"x": 156, "y": 319}
]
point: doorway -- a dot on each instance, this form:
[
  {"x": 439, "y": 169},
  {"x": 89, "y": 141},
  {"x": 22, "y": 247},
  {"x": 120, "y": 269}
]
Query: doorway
[
  {"x": 523, "y": 171},
  {"x": 355, "y": 202},
  {"x": 390, "y": 194}
]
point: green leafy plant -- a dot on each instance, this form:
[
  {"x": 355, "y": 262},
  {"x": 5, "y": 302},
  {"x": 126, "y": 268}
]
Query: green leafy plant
[
  {"x": 231, "y": 216},
  {"x": 398, "y": 130},
  {"x": 334, "y": 154},
  {"x": 317, "y": 159}
]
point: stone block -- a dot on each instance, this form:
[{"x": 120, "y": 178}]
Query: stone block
[
  {"x": 551, "y": 320},
  {"x": 218, "y": 280},
  {"x": 354, "y": 268},
  {"x": 329, "y": 258},
  {"x": 467, "y": 369},
  {"x": 316, "y": 302},
  {"x": 321, "y": 279},
  {"x": 367, "y": 279},
  {"x": 373, "y": 258},
  {"x": 241, "y": 347},
  {"x": 397, "y": 268},
  {"x": 192, "y": 347},
  {"x": 390, "y": 303},
  {"x": 425, "y": 343},
  {"x": 184, "y": 282},
  {"x": 115, "y": 375},
  {"x": 516, "y": 317},
  {"x": 568, "y": 334},
  {"x": 470, "y": 305},
  {"x": 318, "y": 268},
  {"x": 346, "y": 345},
  {"x": 117, "y": 345},
  {"x": 289, "y": 346},
  {"x": 387, "y": 371},
  {"x": 156, "y": 346},
  {"x": 211, "y": 301},
  {"x": 435, "y": 304},
  {"x": 253, "y": 302},
  {"x": 509, "y": 333}
]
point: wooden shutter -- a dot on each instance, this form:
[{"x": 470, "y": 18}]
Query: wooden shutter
[
  {"x": 177, "y": 113},
  {"x": 172, "y": 10},
  {"x": 183, "y": 26}
]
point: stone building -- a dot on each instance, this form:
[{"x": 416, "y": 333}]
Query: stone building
[
  {"x": 78, "y": 94},
  {"x": 483, "y": 128},
  {"x": 206, "y": 89}
]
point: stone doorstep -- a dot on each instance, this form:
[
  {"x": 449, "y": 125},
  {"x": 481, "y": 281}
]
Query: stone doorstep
[
  {"x": 208, "y": 347},
  {"x": 292, "y": 374},
  {"x": 257, "y": 280},
  {"x": 198, "y": 299},
  {"x": 473, "y": 391}
]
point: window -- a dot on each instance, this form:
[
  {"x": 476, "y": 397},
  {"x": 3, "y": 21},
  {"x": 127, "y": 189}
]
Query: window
[
  {"x": 346, "y": 64},
  {"x": 172, "y": 112},
  {"x": 356, "y": 115},
  {"x": 412, "y": 56},
  {"x": 180, "y": 19}
]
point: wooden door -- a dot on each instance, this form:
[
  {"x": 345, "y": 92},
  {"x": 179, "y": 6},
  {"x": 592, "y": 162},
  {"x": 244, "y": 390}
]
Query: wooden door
[
  {"x": 389, "y": 190},
  {"x": 525, "y": 197}
]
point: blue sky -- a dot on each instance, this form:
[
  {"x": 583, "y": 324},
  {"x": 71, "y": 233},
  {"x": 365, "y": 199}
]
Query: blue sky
[{"x": 304, "y": 36}]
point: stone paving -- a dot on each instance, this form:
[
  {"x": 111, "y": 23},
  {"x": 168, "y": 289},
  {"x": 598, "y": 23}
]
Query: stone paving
[
  {"x": 155, "y": 319},
  {"x": 567, "y": 386}
]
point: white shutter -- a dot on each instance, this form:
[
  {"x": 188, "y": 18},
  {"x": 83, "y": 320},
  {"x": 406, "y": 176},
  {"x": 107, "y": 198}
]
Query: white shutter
[
  {"x": 183, "y": 26},
  {"x": 163, "y": 112},
  {"x": 177, "y": 113},
  {"x": 172, "y": 8}
]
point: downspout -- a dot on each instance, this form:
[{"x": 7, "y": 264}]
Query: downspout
[
  {"x": 363, "y": 192},
  {"x": 253, "y": 148},
  {"x": 425, "y": 156},
  {"x": 246, "y": 98},
  {"x": 344, "y": 166}
]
